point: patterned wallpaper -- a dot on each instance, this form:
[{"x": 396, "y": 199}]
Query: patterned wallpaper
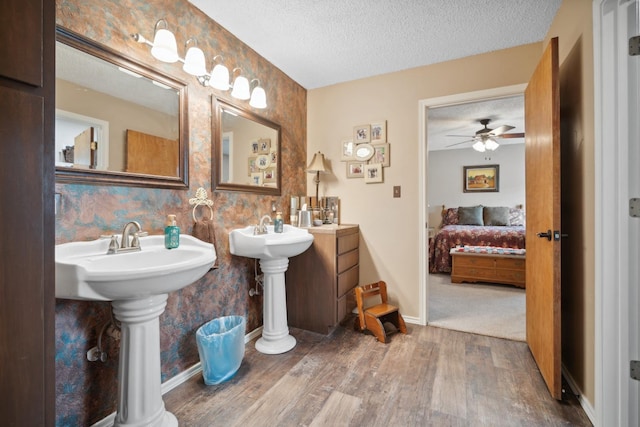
[{"x": 86, "y": 391}]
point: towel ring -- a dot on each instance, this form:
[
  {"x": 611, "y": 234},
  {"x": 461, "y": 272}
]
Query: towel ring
[{"x": 201, "y": 200}]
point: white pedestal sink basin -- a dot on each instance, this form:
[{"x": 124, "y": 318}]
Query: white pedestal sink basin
[
  {"x": 137, "y": 284},
  {"x": 273, "y": 250}
]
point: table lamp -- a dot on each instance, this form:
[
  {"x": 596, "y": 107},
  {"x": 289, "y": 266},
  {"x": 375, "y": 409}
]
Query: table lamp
[{"x": 317, "y": 166}]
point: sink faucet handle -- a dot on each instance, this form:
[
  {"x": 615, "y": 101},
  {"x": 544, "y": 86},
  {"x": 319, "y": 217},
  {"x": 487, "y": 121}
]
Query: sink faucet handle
[{"x": 113, "y": 245}]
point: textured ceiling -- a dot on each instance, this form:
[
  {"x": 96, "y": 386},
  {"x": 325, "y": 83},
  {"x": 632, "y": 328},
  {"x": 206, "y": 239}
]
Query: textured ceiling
[{"x": 322, "y": 42}]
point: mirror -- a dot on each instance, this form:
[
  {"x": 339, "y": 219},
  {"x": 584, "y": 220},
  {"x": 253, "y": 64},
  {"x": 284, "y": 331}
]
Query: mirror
[
  {"x": 247, "y": 149},
  {"x": 117, "y": 121}
]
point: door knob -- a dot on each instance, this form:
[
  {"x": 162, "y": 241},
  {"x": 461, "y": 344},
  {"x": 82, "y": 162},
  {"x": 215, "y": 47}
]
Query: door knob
[{"x": 546, "y": 235}]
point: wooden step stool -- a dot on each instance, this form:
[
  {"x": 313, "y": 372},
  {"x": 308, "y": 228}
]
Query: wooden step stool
[{"x": 375, "y": 316}]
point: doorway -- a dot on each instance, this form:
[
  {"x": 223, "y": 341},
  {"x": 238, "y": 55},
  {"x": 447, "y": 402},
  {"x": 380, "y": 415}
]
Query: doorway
[{"x": 426, "y": 218}]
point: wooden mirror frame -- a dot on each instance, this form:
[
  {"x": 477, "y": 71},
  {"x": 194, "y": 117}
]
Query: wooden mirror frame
[
  {"x": 92, "y": 176},
  {"x": 216, "y": 151}
]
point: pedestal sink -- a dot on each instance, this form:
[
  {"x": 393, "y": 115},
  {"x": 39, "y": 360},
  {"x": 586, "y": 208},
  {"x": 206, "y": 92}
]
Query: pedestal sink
[
  {"x": 273, "y": 250},
  {"x": 137, "y": 284}
]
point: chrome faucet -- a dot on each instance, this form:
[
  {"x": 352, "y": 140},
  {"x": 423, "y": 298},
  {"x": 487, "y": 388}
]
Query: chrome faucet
[
  {"x": 131, "y": 229},
  {"x": 262, "y": 227}
]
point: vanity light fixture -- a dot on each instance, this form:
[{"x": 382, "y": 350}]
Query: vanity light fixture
[
  {"x": 318, "y": 167},
  {"x": 258, "y": 96},
  {"x": 164, "y": 48}
]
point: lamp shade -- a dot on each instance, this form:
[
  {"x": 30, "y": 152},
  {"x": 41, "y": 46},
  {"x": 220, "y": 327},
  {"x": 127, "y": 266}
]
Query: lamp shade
[
  {"x": 317, "y": 164},
  {"x": 491, "y": 144},
  {"x": 219, "y": 77},
  {"x": 258, "y": 98},
  {"x": 241, "y": 88},
  {"x": 164, "y": 47},
  {"x": 479, "y": 146},
  {"x": 194, "y": 62}
]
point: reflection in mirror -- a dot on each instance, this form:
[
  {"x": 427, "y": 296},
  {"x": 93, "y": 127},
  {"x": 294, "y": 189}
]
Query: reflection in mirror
[
  {"x": 247, "y": 147},
  {"x": 117, "y": 121}
]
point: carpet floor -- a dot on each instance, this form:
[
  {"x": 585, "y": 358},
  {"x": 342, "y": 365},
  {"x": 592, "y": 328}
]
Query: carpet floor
[{"x": 484, "y": 309}]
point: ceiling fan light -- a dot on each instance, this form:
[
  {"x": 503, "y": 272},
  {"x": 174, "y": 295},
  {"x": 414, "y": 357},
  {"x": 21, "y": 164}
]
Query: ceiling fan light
[
  {"x": 491, "y": 144},
  {"x": 479, "y": 146}
]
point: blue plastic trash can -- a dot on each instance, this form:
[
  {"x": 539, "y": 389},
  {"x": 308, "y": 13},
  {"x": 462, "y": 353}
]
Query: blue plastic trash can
[{"x": 221, "y": 348}]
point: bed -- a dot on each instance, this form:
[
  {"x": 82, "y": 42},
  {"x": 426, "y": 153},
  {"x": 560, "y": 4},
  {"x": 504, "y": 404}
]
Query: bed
[{"x": 475, "y": 226}]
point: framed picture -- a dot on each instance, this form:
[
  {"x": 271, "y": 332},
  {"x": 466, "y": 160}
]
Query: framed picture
[
  {"x": 373, "y": 173},
  {"x": 355, "y": 169},
  {"x": 274, "y": 157},
  {"x": 361, "y": 134},
  {"x": 252, "y": 166},
  {"x": 379, "y": 132},
  {"x": 263, "y": 161},
  {"x": 480, "y": 179},
  {"x": 264, "y": 146},
  {"x": 381, "y": 154},
  {"x": 255, "y": 147},
  {"x": 269, "y": 175},
  {"x": 256, "y": 178},
  {"x": 347, "y": 150}
]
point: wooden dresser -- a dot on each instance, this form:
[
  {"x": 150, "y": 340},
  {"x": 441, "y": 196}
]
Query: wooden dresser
[
  {"x": 492, "y": 268},
  {"x": 320, "y": 281}
]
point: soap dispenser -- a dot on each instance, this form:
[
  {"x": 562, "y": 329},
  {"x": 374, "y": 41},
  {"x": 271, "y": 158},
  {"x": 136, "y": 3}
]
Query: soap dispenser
[
  {"x": 171, "y": 233},
  {"x": 278, "y": 224}
]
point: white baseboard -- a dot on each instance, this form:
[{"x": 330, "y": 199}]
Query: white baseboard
[
  {"x": 586, "y": 405},
  {"x": 412, "y": 320},
  {"x": 177, "y": 380}
]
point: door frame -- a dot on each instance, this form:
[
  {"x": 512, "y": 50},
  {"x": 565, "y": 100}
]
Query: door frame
[
  {"x": 616, "y": 326},
  {"x": 423, "y": 176}
]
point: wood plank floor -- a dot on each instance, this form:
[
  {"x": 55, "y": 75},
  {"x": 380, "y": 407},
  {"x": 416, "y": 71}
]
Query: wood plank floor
[{"x": 429, "y": 377}]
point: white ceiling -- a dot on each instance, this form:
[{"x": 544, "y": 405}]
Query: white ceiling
[{"x": 323, "y": 42}]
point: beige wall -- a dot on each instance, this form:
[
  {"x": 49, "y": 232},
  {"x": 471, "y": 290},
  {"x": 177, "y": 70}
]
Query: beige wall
[
  {"x": 390, "y": 226},
  {"x": 573, "y": 25}
]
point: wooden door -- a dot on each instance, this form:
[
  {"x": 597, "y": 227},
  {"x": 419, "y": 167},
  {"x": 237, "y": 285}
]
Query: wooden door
[
  {"x": 27, "y": 223},
  {"x": 542, "y": 159},
  {"x": 152, "y": 155}
]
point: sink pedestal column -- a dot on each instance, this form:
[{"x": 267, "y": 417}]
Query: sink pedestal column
[
  {"x": 275, "y": 332},
  {"x": 139, "y": 394}
]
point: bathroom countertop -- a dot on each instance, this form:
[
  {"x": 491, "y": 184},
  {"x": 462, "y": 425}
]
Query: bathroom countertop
[{"x": 330, "y": 228}]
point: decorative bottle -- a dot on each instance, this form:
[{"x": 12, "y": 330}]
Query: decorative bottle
[
  {"x": 278, "y": 224},
  {"x": 171, "y": 233}
]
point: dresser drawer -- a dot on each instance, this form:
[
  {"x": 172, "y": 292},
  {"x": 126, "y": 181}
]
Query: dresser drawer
[
  {"x": 473, "y": 261},
  {"x": 348, "y": 260},
  {"x": 348, "y": 243},
  {"x": 348, "y": 280}
]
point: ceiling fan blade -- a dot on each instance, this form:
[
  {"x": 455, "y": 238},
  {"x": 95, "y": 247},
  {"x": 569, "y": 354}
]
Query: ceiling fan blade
[
  {"x": 462, "y": 136},
  {"x": 458, "y": 143},
  {"x": 500, "y": 130},
  {"x": 511, "y": 135}
]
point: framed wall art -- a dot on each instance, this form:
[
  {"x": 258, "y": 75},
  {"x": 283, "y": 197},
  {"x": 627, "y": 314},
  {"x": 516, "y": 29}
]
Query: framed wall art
[
  {"x": 381, "y": 154},
  {"x": 361, "y": 134},
  {"x": 355, "y": 169},
  {"x": 481, "y": 179},
  {"x": 347, "y": 150},
  {"x": 373, "y": 173},
  {"x": 379, "y": 132}
]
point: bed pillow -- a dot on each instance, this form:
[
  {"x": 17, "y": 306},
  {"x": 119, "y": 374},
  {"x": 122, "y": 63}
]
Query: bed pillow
[
  {"x": 470, "y": 215},
  {"x": 516, "y": 216},
  {"x": 450, "y": 216},
  {"x": 495, "y": 215}
]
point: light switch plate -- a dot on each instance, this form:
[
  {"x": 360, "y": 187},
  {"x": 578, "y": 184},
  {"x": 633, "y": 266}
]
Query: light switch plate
[{"x": 396, "y": 191}]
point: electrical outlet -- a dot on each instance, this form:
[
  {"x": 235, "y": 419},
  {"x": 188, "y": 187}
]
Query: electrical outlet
[{"x": 396, "y": 191}]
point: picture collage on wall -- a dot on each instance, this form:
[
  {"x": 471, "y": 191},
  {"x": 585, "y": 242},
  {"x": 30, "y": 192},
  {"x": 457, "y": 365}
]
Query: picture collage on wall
[
  {"x": 367, "y": 152},
  {"x": 262, "y": 163}
]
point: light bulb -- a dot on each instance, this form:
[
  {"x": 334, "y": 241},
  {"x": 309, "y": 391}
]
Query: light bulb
[
  {"x": 194, "y": 62},
  {"x": 219, "y": 77},
  {"x": 258, "y": 98},
  {"x": 478, "y": 146},
  {"x": 164, "y": 47}
]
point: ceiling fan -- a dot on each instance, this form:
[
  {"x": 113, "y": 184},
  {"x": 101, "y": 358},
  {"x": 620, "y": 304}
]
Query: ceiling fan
[{"x": 485, "y": 138}]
